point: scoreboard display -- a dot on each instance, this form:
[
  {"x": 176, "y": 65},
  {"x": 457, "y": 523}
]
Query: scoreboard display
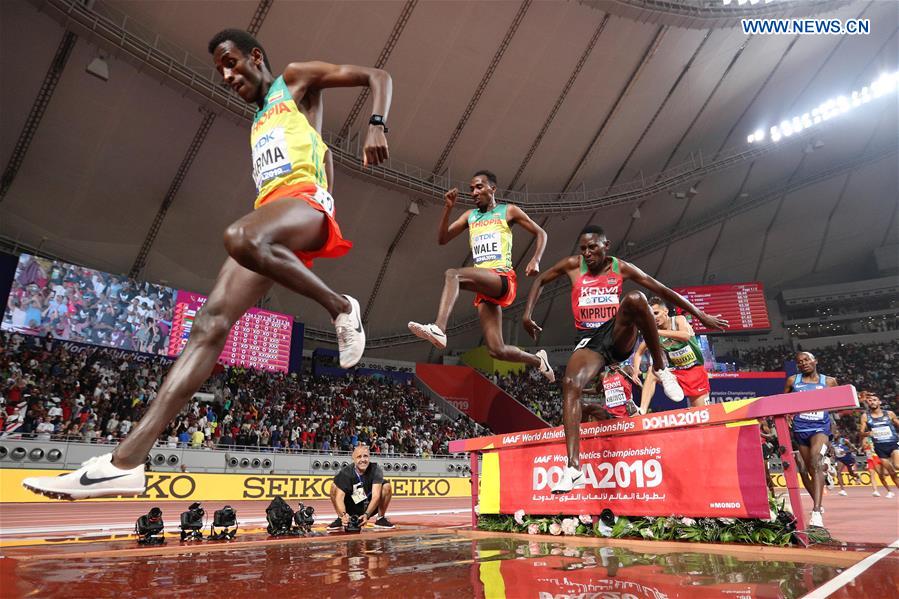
[
  {"x": 741, "y": 304},
  {"x": 260, "y": 339}
]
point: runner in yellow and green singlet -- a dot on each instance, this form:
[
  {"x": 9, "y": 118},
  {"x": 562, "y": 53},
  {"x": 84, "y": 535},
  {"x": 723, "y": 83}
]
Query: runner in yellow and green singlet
[
  {"x": 492, "y": 278},
  {"x": 293, "y": 222}
]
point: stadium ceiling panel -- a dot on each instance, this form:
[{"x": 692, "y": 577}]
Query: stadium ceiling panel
[{"x": 591, "y": 111}]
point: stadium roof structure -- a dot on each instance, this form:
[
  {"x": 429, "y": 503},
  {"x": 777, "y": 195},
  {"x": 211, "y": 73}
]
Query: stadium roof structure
[{"x": 632, "y": 114}]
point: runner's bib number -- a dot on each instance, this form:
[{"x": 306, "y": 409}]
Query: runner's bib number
[
  {"x": 270, "y": 157},
  {"x": 486, "y": 247},
  {"x": 615, "y": 395},
  {"x": 813, "y": 416},
  {"x": 682, "y": 357},
  {"x": 882, "y": 433}
]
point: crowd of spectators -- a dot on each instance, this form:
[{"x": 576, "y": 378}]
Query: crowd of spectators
[
  {"x": 846, "y": 317},
  {"x": 535, "y": 392},
  {"x": 79, "y": 304},
  {"x": 870, "y": 367},
  {"x": 50, "y": 389}
]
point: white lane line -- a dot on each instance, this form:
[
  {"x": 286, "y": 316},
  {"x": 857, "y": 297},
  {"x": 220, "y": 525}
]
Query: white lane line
[
  {"x": 851, "y": 573},
  {"x": 320, "y": 517}
]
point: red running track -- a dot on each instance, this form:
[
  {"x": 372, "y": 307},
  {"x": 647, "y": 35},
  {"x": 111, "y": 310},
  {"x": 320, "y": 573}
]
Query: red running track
[
  {"x": 867, "y": 523},
  {"x": 856, "y": 518}
]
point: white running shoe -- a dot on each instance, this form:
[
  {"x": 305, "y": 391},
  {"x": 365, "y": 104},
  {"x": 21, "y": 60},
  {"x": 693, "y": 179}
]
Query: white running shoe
[
  {"x": 816, "y": 520},
  {"x": 843, "y": 492},
  {"x": 350, "y": 335},
  {"x": 670, "y": 385},
  {"x": 572, "y": 478},
  {"x": 876, "y": 493},
  {"x": 429, "y": 332},
  {"x": 890, "y": 495},
  {"x": 545, "y": 369},
  {"x": 97, "y": 477}
]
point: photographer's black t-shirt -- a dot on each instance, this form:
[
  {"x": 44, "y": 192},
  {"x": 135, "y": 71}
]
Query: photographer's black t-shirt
[{"x": 347, "y": 479}]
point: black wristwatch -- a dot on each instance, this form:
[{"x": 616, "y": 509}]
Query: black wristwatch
[{"x": 378, "y": 120}]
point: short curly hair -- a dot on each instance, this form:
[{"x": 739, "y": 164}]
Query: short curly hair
[
  {"x": 242, "y": 40},
  {"x": 489, "y": 175}
]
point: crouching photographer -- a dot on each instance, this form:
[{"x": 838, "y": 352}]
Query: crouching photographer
[{"x": 359, "y": 493}]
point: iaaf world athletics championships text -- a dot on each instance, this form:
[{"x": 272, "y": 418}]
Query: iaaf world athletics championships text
[{"x": 620, "y": 453}]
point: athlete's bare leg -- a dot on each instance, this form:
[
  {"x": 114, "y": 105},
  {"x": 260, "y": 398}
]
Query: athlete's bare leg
[
  {"x": 804, "y": 476},
  {"x": 236, "y": 289},
  {"x": 697, "y": 402},
  {"x": 479, "y": 280},
  {"x": 882, "y": 476},
  {"x": 853, "y": 473},
  {"x": 265, "y": 240},
  {"x": 840, "y": 476},
  {"x": 582, "y": 367},
  {"x": 888, "y": 470},
  {"x": 815, "y": 466},
  {"x": 491, "y": 317},
  {"x": 634, "y": 315},
  {"x": 649, "y": 389}
]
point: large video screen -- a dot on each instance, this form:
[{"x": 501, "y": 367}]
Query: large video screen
[
  {"x": 79, "y": 304},
  {"x": 260, "y": 339},
  {"x": 742, "y": 304},
  {"x": 74, "y": 303}
]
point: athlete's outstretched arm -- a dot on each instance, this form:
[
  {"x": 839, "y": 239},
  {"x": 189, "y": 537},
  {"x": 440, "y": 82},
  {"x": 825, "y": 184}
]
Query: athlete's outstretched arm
[
  {"x": 447, "y": 232},
  {"x": 517, "y": 215},
  {"x": 863, "y": 428},
  {"x": 649, "y": 384},
  {"x": 629, "y": 271},
  {"x": 683, "y": 333},
  {"x": 301, "y": 77},
  {"x": 558, "y": 269}
]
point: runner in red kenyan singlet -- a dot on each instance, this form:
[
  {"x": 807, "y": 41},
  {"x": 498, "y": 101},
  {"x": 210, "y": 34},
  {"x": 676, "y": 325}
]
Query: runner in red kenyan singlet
[
  {"x": 595, "y": 298},
  {"x": 607, "y": 335},
  {"x": 615, "y": 393}
]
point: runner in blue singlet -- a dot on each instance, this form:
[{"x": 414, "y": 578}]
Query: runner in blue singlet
[
  {"x": 844, "y": 454},
  {"x": 811, "y": 430},
  {"x": 881, "y": 426}
]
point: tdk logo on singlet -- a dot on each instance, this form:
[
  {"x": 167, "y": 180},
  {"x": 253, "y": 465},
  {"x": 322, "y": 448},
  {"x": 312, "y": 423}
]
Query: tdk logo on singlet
[
  {"x": 594, "y": 296},
  {"x": 264, "y": 140}
]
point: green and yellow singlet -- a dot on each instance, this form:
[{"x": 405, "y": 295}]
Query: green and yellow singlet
[{"x": 287, "y": 150}]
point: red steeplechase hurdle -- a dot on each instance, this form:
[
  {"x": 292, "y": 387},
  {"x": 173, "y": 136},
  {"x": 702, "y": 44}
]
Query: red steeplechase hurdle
[{"x": 515, "y": 468}]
